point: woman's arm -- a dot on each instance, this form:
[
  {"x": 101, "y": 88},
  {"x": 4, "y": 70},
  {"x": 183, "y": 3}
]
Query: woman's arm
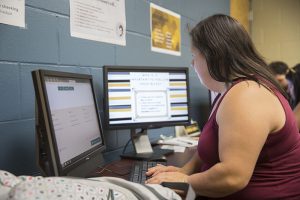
[
  {"x": 193, "y": 165},
  {"x": 190, "y": 167}
]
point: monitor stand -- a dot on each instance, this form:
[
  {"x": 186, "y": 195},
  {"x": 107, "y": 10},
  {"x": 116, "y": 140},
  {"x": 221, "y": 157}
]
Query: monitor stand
[{"x": 143, "y": 149}]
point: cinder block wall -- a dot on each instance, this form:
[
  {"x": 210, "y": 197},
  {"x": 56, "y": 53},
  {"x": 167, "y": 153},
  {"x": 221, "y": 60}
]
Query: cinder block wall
[
  {"x": 276, "y": 30},
  {"x": 46, "y": 43}
]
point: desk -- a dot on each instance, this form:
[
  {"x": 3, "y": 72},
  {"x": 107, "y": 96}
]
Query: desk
[{"x": 122, "y": 168}]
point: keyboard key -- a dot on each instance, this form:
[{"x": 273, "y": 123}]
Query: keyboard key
[{"x": 139, "y": 169}]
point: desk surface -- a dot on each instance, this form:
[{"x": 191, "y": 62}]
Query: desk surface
[{"x": 122, "y": 167}]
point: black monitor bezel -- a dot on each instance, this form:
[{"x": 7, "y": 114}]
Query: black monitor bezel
[
  {"x": 43, "y": 99},
  {"x": 145, "y": 125}
]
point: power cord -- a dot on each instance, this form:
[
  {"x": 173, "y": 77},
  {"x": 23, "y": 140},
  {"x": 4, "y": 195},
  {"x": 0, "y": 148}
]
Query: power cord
[
  {"x": 124, "y": 149},
  {"x": 112, "y": 171}
]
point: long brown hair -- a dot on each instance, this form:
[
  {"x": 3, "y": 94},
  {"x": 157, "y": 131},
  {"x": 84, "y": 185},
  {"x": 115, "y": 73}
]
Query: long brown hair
[{"x": 229, "y": 51}]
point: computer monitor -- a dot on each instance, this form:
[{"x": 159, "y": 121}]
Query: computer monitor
[
  {"x": 145, "y": 97},
  {"x": 69, "y": 138},
  {"x": 212, "y": 96}
]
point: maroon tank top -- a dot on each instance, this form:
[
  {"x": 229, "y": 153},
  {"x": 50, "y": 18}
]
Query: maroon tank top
[{"x": 277, "y": 171}]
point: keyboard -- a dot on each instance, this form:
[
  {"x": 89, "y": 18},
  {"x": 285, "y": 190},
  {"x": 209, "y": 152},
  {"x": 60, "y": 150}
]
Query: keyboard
[{"x": 139, "y": 169}]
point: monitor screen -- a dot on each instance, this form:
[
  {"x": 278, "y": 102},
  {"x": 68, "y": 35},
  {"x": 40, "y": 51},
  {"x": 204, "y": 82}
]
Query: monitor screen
[
  {"x": 146, "y": 96},
  {"x": 67, "y": 105},
  {"x": 212, "y": 97}
]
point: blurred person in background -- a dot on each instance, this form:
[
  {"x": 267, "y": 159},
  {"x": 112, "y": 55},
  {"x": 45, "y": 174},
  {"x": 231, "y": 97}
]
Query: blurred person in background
[
  {"x": 296, "y": 78},
  {"x": 287, "y": 79}
]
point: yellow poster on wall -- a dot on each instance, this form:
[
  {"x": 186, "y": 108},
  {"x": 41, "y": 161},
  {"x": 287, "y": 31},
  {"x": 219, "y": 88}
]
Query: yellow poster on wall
[{"x": 165, "y": 30}]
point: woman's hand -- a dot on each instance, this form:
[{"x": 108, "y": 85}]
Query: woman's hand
[
  {"x": 167, "y": 177},
  {"x": 153, "y": 171}
]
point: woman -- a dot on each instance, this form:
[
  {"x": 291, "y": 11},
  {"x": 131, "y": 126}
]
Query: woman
[{"x": 250, "y": 146}]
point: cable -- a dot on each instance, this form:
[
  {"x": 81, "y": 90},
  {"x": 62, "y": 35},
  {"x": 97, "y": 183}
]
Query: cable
[
  {"x": 124, "y": 149},
  {"x": 109, "y": 170}
]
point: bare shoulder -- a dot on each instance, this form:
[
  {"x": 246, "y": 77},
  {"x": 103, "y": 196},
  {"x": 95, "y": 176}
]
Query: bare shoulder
[
  {"x": 250, "y": 92},
  {"x": 248, "y": 99}
]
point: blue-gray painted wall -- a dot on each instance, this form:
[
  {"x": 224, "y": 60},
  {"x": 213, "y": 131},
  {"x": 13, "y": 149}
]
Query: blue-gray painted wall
[{"x": 46, "y": 43}]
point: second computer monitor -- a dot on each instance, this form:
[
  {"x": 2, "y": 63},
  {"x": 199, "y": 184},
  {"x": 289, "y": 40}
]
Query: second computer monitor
[
  {"x": 68, "y": 129},
  {"x": 146, "y": 97}
]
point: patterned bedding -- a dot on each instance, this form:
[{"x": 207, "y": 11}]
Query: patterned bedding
[{"x": 28, "y": 187}]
